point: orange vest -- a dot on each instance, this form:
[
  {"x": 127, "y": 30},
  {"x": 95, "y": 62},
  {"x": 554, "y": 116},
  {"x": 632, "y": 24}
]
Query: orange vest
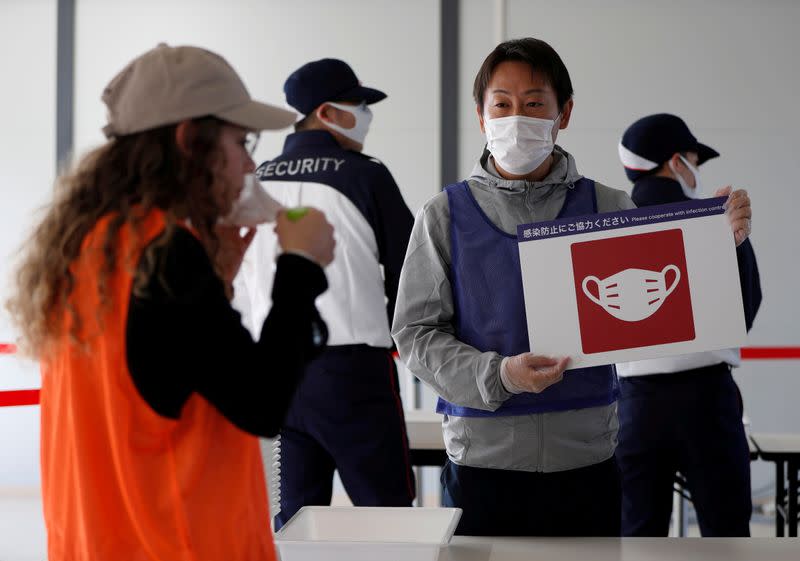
[{"x": 119, "y": 481}]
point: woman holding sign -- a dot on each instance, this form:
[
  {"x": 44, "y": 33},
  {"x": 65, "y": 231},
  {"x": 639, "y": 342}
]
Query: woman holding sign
[{"x": 530, "y": 445}]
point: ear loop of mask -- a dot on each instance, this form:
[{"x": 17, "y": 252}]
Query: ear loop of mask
[
  {"x": 688, "y": 191},
  {"x": 362, "y": 115}
]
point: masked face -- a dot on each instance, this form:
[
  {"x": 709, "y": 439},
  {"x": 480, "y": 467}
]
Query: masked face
[
  {"x": 520, "y": 144},
  {"x": 633, "y": 294},
  {"x": 520, "y": 115},
  {"x": 689, "y": 191},
  {"x": 363, "y": 118}
]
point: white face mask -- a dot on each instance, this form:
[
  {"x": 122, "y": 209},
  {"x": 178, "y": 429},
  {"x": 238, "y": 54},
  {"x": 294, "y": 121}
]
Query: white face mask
[
  {"x": 691, "y": 193},
  {"x": 519, "y": 144},
  {"x": 363, "y": 116},
  {"x": 633, "y": 294},
  {"x": 253, "y": 207}
]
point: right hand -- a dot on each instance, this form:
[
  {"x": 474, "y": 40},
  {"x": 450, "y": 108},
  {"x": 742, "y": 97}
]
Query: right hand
[
  {"x": 738, "y": 211},
  {"x": 535, "y": 373},
  {"x": 311, "y": 235},
  {"x": 231, "y": 249}
]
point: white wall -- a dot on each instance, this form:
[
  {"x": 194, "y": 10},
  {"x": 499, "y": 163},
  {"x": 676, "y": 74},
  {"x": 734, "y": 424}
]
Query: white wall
[
  {"x": 391, "y": 45},
  {"x": 27, "y": 154},
  {"x": 475, "y": 42},
  {"x": 729, "y": 68}
]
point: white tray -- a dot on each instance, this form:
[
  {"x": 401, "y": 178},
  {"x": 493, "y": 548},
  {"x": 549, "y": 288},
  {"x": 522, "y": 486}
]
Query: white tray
[{"x": 318, "y": 533}]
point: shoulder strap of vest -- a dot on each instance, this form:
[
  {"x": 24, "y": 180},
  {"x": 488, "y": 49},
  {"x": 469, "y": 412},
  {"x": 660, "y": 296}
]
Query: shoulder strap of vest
[
  {"x": 455, "y": 186},
  {"x": 581, "y": 199}
]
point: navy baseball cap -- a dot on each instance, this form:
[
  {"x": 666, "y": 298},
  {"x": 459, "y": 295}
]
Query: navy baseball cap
[
  {"x": 328, "y": 79},
  {"x": 652, "y": 140}
]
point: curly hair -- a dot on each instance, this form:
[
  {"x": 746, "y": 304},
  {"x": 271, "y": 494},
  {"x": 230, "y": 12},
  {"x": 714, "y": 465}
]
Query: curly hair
[{"x": 124, "y": 178}]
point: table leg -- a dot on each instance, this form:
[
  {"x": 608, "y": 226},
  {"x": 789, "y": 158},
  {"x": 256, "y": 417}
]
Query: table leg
[
  {"x": 792, "y": 508},
  {"x": 420, "y": 485},
  {"x": 679, "y": 515},
  {"x": 780, "y": 493}
]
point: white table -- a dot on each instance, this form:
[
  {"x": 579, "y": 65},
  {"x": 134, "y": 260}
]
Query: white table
[
  {"x": 620, "y": 549},
  {"x": 784, "y": 451},
  {"x": 425, "y": 440},
  {"x": 425, "y": 443}
]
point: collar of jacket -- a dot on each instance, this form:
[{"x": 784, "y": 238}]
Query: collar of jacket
[
  {"x": 656, "y": 190},
  {"x": 310, "y": 139},
  {"x": 563, "y": 172}
]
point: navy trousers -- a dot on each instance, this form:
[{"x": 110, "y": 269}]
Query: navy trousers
[
  {"x": 689, "y": 422},
  {"x": 346, "y": 416},
  {"x": 496, "y": 502}
]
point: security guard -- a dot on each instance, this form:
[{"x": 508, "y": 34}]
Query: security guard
[
  {"x": 682, "y": 413},
  {"x": 347, "y": 414}
]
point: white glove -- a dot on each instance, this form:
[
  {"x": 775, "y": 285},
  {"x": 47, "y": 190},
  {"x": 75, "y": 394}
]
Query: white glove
[{"x": 528, "y": 372}]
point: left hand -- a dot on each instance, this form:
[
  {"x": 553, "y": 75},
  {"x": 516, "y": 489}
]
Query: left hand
[
  {"x": 738, "y": 211},
  {"x": 232, "y": 247}
]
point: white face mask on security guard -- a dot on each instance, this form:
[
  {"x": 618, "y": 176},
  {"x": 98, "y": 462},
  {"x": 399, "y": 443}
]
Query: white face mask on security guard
[
  {"x": 363, "y": 117},
  {"x": 519, "y": 144},
  {"x": 689, "y": 191}
]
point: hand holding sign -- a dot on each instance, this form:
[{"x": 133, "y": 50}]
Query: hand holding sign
[
  {"x": 528, "y": 372},
  {"x": 738, "y": 211}
]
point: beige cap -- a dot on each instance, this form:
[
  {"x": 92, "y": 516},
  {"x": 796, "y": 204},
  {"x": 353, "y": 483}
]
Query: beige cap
[{"x": 167, "y": 85}]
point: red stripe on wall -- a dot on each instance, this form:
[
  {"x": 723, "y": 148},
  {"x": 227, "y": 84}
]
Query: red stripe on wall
[
  {"x": 756, "y": 353},
  {"x": 19, "y": 397},
  {"x": 748, "y": 353},
  {"x": 31, "y": 397},
  {"x": 770, "y": 353}
]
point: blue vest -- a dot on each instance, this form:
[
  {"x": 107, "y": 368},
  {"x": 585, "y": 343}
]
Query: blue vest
[{"x": 490, "y": 307}]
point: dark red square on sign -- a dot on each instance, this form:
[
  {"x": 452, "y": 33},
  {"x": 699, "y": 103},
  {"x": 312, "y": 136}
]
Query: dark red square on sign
[{"x": 632, "y": 291}]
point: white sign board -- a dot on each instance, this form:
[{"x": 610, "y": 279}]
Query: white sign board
[{"x": 632, "y": 285}]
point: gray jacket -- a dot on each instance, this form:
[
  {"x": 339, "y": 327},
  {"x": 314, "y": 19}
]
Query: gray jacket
[{"x": 425, "y": 335}]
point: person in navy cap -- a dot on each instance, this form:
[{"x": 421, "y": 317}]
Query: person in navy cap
[
  {"x": 347, "y": 414},
  {"x": 684, "y": 413}
]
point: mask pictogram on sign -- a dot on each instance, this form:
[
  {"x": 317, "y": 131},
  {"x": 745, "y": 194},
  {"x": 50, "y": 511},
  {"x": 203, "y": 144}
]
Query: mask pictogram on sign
[
  {"x": 633, "y": 294},
  {"x": 632, "y": 291}
]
